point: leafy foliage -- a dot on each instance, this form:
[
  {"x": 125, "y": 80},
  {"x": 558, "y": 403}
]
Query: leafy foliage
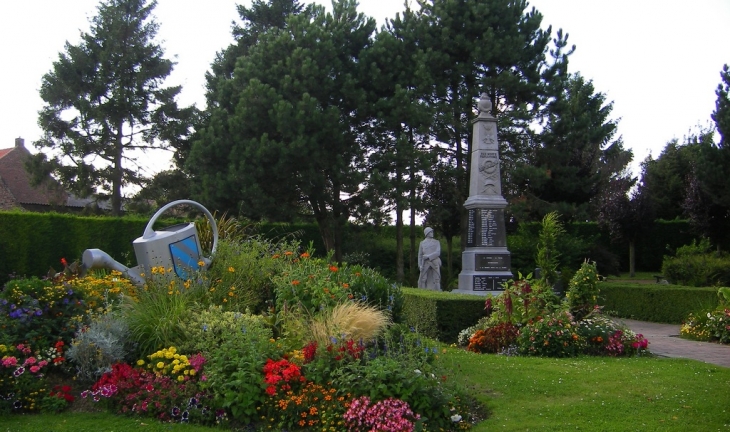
[
  {"x": 697, "y": 265},
  {"x": 582, "y": 295}
]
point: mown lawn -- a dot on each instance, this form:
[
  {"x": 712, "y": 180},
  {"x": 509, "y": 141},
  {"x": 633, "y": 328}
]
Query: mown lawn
[
  {"x": 596, "y": 393},
  {"x": 525, "y": 393}
]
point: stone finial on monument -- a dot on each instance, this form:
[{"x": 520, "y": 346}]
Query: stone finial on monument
[{"x": 486, "y": 260}]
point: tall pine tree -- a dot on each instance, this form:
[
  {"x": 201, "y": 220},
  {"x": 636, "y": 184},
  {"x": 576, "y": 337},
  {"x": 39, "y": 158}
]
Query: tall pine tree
[{"x": 104, "y": 98}]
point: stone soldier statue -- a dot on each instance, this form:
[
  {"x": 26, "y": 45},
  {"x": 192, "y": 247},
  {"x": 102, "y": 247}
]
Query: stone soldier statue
[{"x": 429, "y": 262}]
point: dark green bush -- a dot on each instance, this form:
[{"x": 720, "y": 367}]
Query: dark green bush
[
  {"x": 441, "y": 315},
  {"x": 656, "y": 303},
  {"x": 697, "y": 265}
]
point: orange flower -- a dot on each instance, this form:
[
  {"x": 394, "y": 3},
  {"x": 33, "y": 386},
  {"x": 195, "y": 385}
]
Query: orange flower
[
  {"x": 305, "y": 255},
  {"x": 327, "y": 291},
  {"x": 295, "y": 282},
  {"x": 333, "y": 269},
  {"x": 345, "y": 285},
  {"x": 276, "y": 256},
  {"x": 358, "y": 274},
  {"x": 287, "y": 253}
]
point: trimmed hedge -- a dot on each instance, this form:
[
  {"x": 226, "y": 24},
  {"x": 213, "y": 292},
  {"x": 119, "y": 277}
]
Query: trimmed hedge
[
  {"x": 441, "y": 315},
  {"x": 32, "y": 243},
  {"x": 656, "y": 303}
]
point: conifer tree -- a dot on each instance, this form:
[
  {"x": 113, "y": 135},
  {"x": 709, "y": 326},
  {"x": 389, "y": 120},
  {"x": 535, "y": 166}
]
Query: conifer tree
[{"x": 104, "y": 98}]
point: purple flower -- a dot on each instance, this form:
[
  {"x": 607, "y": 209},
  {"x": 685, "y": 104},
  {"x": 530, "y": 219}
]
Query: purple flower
[{"x": 19, "y": 371}]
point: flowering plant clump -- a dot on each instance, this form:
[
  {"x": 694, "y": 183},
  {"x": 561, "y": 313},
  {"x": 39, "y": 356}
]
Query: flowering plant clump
[
  {"x": 555, "y": 335},
  {"x": 710, "y": 326},
  {"x": 309, "y": 406},
  {"x": 102, "y": 292},
  {"x": 389, "y": 415},
  {"x": 582, "y": 295},
  {"x": 311, "y": 284},
  {"x": 522, "y": 300},
  {"x": 603, "y": 336},
  {"x": 22, "y": 384},
  {"x": 39, "y": 312},
  {"x": 280, "y": 375},
  {"x": 493, "y": 339},
  {"x": 167, "y": 362},
  {"x": 134, "y": 390},
  {"x": 58, "y": 399}
]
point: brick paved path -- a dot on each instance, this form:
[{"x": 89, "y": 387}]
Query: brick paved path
[{"x": 664, "y": 341}]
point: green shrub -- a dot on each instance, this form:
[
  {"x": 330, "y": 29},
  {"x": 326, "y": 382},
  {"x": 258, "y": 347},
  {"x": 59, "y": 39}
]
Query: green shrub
[
  {"x": 653, "y": 302},
  {"x": 582, "y": 295},
  {"x": 372, "y": 288},
  {"x": 698, "y": 270},
  {"x": 205, "y": 330},
  {"x": 441, "y": 315},
  {"x": 241, "y": 273},
  {"x": 234, "y": 371}
]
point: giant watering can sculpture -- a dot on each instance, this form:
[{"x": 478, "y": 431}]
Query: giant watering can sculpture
[{"x": 176, "y": 247}]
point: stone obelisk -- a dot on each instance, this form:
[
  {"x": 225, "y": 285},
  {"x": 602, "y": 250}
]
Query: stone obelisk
[{"x": 485, "y": 264}]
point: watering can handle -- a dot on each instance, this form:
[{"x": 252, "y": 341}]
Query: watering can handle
[{"x": 149, "y": 232}]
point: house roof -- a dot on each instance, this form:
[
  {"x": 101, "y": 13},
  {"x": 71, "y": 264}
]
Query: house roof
[{"x": 17, "y": 180}]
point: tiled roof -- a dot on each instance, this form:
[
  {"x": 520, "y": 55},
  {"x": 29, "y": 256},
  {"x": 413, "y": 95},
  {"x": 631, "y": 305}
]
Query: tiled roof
[{"x": 17, "y": 180}]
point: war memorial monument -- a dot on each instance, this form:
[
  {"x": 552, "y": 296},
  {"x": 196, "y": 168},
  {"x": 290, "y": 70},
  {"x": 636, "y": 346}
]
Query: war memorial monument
[{"x": 485, "y": 261}]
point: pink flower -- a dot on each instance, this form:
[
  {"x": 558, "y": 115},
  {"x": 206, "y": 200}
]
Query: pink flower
[
  {"x": 10, "y": 361},
  {"x": 29, "y": 361},
  {"x": 34, "y": 369}
]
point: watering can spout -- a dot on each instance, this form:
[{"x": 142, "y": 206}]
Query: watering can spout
[{"x": 97, "y": 258}]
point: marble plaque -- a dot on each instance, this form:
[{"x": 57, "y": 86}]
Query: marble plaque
[
  {"x": 490, "y": 262},
  {"x": 489, "y": 283}
]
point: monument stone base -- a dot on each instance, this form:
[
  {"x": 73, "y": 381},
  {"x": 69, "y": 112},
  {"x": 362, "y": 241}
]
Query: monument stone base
[{"x": 484, "y": 271}]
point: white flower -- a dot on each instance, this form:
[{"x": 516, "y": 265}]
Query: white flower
[
  {"x": 418, "y": 372},
  {"x": 709, "y": 315},
  {"x": 456, "y": 418}
]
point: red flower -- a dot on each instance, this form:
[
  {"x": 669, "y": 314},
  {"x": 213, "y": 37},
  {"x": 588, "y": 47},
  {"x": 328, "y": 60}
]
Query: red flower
[
  {"x": 271, "y": 390},
  {"x": 64, "y": 262},
  {"x": 333, "y": 269}
]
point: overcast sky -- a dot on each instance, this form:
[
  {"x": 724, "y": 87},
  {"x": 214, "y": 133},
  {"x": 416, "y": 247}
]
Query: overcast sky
[{"x": 658, "y": 61}]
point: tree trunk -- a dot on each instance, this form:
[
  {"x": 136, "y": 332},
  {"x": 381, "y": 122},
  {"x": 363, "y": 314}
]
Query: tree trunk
[
  {"x": 449, "y": 250},
  {"x": 399, "y": 273},
  {"x": 412, "y": 265},
  {"x": 632, "y": 259},
  {"x": 117, "y": 177}
]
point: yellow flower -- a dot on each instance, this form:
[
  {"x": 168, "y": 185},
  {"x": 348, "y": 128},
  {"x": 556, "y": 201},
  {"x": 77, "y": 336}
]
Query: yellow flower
[
  {"x": 160, "y": 365},
  {"x": 181, "y": 378},
  {"x": 191, "y": 371},
  {"x": 140, "y": 362},
  {"x": 231, "y": 269}
]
